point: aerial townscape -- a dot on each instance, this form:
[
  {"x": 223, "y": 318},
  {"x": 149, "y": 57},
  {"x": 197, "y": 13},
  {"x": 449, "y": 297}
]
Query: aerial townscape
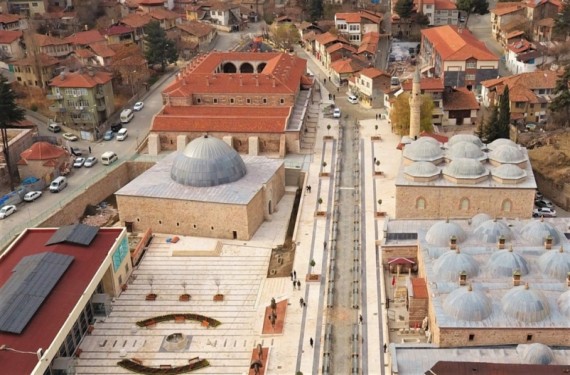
[{"x": 285, "y": 187}]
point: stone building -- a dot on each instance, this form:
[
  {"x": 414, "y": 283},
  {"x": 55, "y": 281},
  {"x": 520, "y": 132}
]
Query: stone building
[
  {"x": 43, "y": 160},
  {"x": 464, "y": 177},
  {"x": 207, "y": 190}
]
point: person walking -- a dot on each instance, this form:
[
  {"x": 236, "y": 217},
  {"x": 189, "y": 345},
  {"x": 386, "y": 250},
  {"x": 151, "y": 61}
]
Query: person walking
[
  {"x": 325, "y": 245},
  {"x": 89, "y": 149},
  {"x": 385, "y": 347},
  {"x": 311, "y": 342},
  {"x": 294, "y": 275},
  {"x": 291, "y": 275},
  {"x": 301, "y": 302},
  {"x": 360, "y": 319},
  {"x": 299, "y": 285}
]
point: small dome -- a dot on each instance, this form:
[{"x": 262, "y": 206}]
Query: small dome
[
  {"x": 555, "y": 264},
  {"x": 506, "y": 154},
  {"x": 508, "y": 172},
  {"x": 464, "y": 138},
  {"x": 440, "y": 233},
  {"x": 564, "y": 303},
  {"x": 491, "y": 230},
  {"x": 536, "y": 231},
  {"x": 535, "y": 354},
  {"x": 465, "y": 149},
  {"x": 421, "y": 169},
  {"x": 449, "y": 265},
  {"x": 423, "y": 151},
  {"x": 479, "y": 219},
  {"x": 207, "y": 161},
  {"x": 525, "y": 304},
  {"x": 430, "y": 140},
  {"x": 468, "y": 304},
  {"x": 500, "y": 142},
  {"x": 504, "y": 262},
  {"x": 465, "y": 168}
]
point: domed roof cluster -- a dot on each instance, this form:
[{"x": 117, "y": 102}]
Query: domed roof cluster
[
  {"x": 440, "y": 233},
  {"x": 505, "y": 262},
  {"x": 525, "y": 304},
  {"x": 501, "y": 142},
  {"x": 463, "y": 168},
  {"x": 535, "y": 354},
  {"x": 423, "y": 149},
  {"x": 464, "y": 138},
  {"x": 464, "y": 149},
  {"x": 564, "y": 303},
  {"x": 491, "y": 230},
  {"x": 506, "y": 154},
  {"x": 479, "y": 219},
  {"x": 555, "y": 264},
  {"x": 422, "y": 169},
  {"x": 449, "y": 265},
  {"x": 467, "y": 304},
  {"x": 536, "y": 231},
  {"x": 509, "y": 173},
  {"x": 207, "y": 161}
]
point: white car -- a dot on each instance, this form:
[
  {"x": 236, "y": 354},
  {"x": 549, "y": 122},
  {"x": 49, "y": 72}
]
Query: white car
[
  {"x": 90, "y": 161},
  {"x": 122, "y": 134},
  {"x": 336, "y": 113},
  {"x": 32, "y": 196},
  {"x": 70, "y": 137},
  {"x": 78, "y": 163},
  {"x": 7, "y": 211},
  {"x": 352, "y": 99},
  {"x": 138, "y": 106},
  {"x": 544, "y": 211}
]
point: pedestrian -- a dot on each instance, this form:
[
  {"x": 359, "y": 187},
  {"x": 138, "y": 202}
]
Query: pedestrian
[
  {"x": 304, "y": 304},
  {"x": 324, "y": 80},
  {"x": 311, "y": 342},
  {"x": 330, "y": 96},
  {"x": 360, "y": 318},
  {"x": 299, "y": 285},
  {"x": 295, "y": 275},
  {"x": 291, "y": 275},
  {"x": 301, "y": 302},
  {"x": 338, "y": 89},
  {"x": 376, "y": 116},
  {"x": 294, "y": 282},
  {"x": 374, "y": 159},
  {"x": 89, "y": 149},
  {"x": 325, "y": 245},
  {"x": 385, "y": 347},
  {"x": 334, "y": 97}
]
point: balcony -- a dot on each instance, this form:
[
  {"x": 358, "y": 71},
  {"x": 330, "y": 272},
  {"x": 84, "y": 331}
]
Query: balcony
[
  {"x": 99, "y": 94},
  {"x": 54, "y": 96},
  {"x": 101, "y": 107},
  {"x": 56, "y": 108}
]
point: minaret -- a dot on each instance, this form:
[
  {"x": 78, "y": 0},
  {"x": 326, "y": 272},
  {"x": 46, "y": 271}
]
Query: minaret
[{"x": 415, "y": 105}]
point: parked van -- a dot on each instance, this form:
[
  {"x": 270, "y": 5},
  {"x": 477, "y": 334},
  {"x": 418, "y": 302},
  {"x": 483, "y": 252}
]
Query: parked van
[
  {"x": 127, "y": 115},
  {"x": 122, "y": 134},
  {"x": 54, "y": 127},
  {"x": 58, "y": 184},
  {"x": 108, "y": 157}
]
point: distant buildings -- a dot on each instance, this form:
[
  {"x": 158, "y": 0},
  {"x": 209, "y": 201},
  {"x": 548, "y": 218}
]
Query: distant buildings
[{"x": 352, "y": 26}]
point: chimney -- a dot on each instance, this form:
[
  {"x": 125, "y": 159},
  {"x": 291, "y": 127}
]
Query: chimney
[
  {"x": 86, "y": 27},
  {"x": 548, "y": 242},
  {"x": 501, "y": 243},
  {"x": 516, "y": 278},
  {"x": 462, "y": 278},
  {"x": 453, "y": 242},
  {"x": 62, "y": 76},
  {"x": 568, "y": 279}
]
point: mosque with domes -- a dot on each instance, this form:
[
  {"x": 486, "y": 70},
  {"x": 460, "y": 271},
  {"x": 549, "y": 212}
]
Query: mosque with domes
[{"x": 206, "y": 190}]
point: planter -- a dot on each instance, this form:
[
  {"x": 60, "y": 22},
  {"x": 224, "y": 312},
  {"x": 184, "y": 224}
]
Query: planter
[
  {"x": 328, "y": 137},
  {"x": 376, "y": 138},
  {"x": 151, "y": 297},
  {"x": 378, "y": 173},
  {"x": 380, "y": 213},
  {"x": 218, "y": 297},
  {"x": 324, "y": 174},
  {"x": 184, "y": 297},
  {"x": 313, "y": 277},
  {"x": 321, "y": 213}
]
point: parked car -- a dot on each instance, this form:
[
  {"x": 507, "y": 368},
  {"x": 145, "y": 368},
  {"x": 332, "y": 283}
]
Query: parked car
[
  {"x": 53, "y": 127},
  {"x": 70, "y": 137},
  {"x": 122, "y": 134},
  {"x": 7, "y": 211},
  {"x": 90, "y": 161},
  {"x": 544, "y": 211},
  {"x": 116, "y": 127},
  {"x": 538, "y": 195},
  {"x": 108, "y": 135},
  {"x": 78, "y": 163},
  {"x": 543, "y": 203},
  {"x": 336, "y": 113},
  {"x": 352, "y": 99},
  {"x": 138, "y": 106},
  {"x": 75, "y": 151},
  {"x": 32, "y": 196}
]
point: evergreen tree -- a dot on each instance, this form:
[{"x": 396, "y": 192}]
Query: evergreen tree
[
  {"x": 560, "y": 105},
  {"x": 504, "y": 119},
  {"x": 562, "y": 20},
  {"x": 473, "y": 6},
  {"x": 404, "y": 8},
  {"x": 159, "y": 49},
  {"x": 490, "y": 132},
  {"x": 480, "y": 130},
  {"x": 10, "y": 113},
  {"x": 400, "y": 114},
  {"x": 316, "y": 10}
]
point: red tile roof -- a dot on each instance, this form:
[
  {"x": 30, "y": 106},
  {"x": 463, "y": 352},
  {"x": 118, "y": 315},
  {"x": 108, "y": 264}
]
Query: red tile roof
[
  {"x": 151, "y": 2},
  {"x": 345, "y": 66},
  {"x": 514, "y": 34},
  {"x": 196, "y": 28},
  {"x": 43, "y": 59},
  {"x": 419, "y": 288},
  {"x": 427, "y": 84},
  {"x": 81, "y": 79},
  {"x": 505, "y": 8},
  {"x": 102, "y": 50},
  {"x": 42, "y": 151},
  {"x": 369, "y": 43},
  {"x": 520, "y": 46},
  {"x": 231, "y": 119},
  {"x": 359, "y": 17},
  {"x": 57, "y": 307},
  {"x": 459, "y": 99},
  {"x": 83, "y": 53},
  {"x": 373, "y": 73},
  {"x": 327, "y": 38},
  {"x": 338, "y": 46},
  {"x": 84, "y": 38},
  {"x": 46, "y": 40},
  {"x": 453, "y": 45},
  {"x": 164, "y": 14},
  {"x": 445, "y": 5},
  {"x": 438, "y": 137},
  {"x": 9, "y": 18},
  {"x": 136, "y": 20},
  {"x": 7, "y": 37},
  {"x": 118, "y": 30}
]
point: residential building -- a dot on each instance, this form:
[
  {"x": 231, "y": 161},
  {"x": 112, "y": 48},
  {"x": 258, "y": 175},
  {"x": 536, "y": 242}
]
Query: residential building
[
  {"x": 432, "y": 87},
  {"x": 256, "y": 7},
  {"x": 323, "y": 41},
  {"x": 149, "y": 5},
  {"x": 511, "y": 34},
  {"x": 44, "y": 161},
  {"x": 455, "y": 55},
  {"x": 542, "y": 30},
  {"x": 27, "y": 8},
  {"x": 537, "y": 10},
  {"x": 137, "y": 22},
  {"x": 369, "y": 85},
  {"x": 11, "y": 44},
  {"x": 460, "y": 107},
  {"x": 12, "y": 22},
  {"x": 26, "y": 70},
  {"x": 505, "y": 13},
  {"x": 341, "y": 71},
  {"x": 368, "y": 48},
  {"x": 223, "y": 16},
  {"x": 352, "y": 26},
  {"x": 18, "y": 141},
  {"x": 439, "y": 12},
  {"x": 196, "y": 32},
  {"x": 167, "y": 19},
  {"x": 523, "y": 57},
  {"x": 56, "y": 47},
  {"x": 129, "y": 64},
  {"x": 336, "y": 52},
  {"x": 83, "y": 101},
  {"x": 64, "y": 278},
  {"x": 529, "y": 94},
  {"x": 103, "y": 53},
  {"x": 85, "y": 38},
  {"x": 119, "y": 34}
]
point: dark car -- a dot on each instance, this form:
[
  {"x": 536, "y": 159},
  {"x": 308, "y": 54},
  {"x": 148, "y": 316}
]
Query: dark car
[{"x": 116, "y": 127}]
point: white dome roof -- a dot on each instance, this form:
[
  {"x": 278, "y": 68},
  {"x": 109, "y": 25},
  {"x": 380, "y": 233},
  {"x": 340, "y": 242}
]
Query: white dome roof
[
  {"x": 500, "y": 142},
  {"x": 504, "y": 262},
  {"x": 464, "y": 138},
  {"x": 536, "y": 231},
  {"x": 564, "y": 303},
  {"x": 423, "y": 151},
  {"x": 508, "y": 172},
  {"x": 449, "y": 265},
  {"x": 491, "y": 230},
  {"x": 465, "y": 168},
  {"x": 440, "y": 233},
  {"x": 429, "y": 139},
  {"x": 465, "y": 149},
  {"x": 464, "y": 303},
  {"x": 535, "y": 354},
  {"x": 422, "y": 169},
  {"x": 525, "y": 304},
  {"x": 479, "y": 219},
  {"x": 506, "y": 154},
  {"x": 555, "y": 264}
]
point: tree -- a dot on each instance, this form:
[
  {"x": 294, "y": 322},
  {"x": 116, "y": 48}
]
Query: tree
[
  {"x": 88, "y": 11},
  {"x": 420, "y": 19},
  {"x": 562, "y": 20},
  {"x": 560, "y": 105},
  {"x": 159, "y": 49},
  {"x": 10, "y": 114},
  {"x": 400, "y": 114},
  {"x": 285, "y": 36},
  {"x": 504, "y": 120},
  {"x": 490, "y": 132},
  {"x": 404, "y": 8},
  {"x": 473, "y": 6},
  {"x": 316, "y": 10}
]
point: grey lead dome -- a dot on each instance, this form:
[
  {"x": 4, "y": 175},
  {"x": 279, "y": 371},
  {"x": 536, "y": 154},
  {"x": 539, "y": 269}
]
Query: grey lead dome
[{"x": 206, "y": 162}]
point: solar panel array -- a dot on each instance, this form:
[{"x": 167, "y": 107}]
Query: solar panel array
[
  {"x": 31, "y": 282},
  {"x": 77, "y": 234}
]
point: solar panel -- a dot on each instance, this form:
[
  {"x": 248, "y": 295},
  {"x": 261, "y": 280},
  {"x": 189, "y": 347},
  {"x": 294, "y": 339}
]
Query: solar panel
[
  {"x": 402, "y": 236},
  {"x": 567, "y": 235},
  {"x": 77, "y": 234},
  {"x": 31, "y": 282}
]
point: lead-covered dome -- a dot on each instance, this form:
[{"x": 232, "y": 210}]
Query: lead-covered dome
[
  {"x": 423, "y": 150},
  {"x": 501, "y": 142},
  {"x": 504, "y": 263},
  {"x": 491, "y": 230},
  {"x": 506, "y": 154},
  {"x": 207, "y": 161},
  {"x": 509, "y": 173},
  {"x": 525, "y": 304},
  {"x": 536, "y": 231},
  {"x": 480, "y": 219},
  {"x": 441, "y": 232},
  {"x": 468, "y": 304},
  {"x": 464, "y": 138},
  {"x": 450, "y": 264},
  {"x": 564, "y": 303},
  {"x": 464, "y": 168},
  {"x": 535, "y": 354},
  {"x": 555, "y": 264},
  {"x": 465, "y": 149},
  {"x": 422, "y": 169}
]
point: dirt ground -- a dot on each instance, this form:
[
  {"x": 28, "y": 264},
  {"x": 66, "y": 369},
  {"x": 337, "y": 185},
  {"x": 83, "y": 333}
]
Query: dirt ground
[{"x": 549, "y": 154}]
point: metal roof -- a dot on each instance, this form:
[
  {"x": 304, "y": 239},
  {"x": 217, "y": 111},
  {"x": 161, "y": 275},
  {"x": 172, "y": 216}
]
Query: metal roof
[{"x": 77, "y": 234}]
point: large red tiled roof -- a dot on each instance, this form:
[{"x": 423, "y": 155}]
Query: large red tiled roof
[
  {"x": 136, "y": 20},
  {"x": 369, "y": 43},
  {"x": 505, "y": 8},
  {"x": 118, "y": 30},
  {"x": 344, "y": 66},
  {"x": 459, "y": 99},
  {"x": 196, "y": 28},
  {"x": 84, "y": 38},
  {"x": 43, "y": 59},
  {"x": 373, "y": 73},
  {"x": 540, "y": 79},
  {"x": 81, "y": 79},
  {"x": 7, "y": 37},
  {"x": 231, "y": 119},
  {"x": 327, "y": 38},
  {"x": 338, "y": 46},
  {"x": 9, "y": 18},
  {"x": 55, "y": 310},
  {"x": 42, "y": 151},
  {"x": 46, "y": 40},
  {"x": 454, "y": 45},
  {"x": 164, "y": 14},
  {"x": 428, "y": 84}
]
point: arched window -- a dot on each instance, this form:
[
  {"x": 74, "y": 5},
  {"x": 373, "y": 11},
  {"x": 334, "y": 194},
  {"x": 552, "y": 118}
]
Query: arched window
[
  {"x": 506, "y": 205},
  {"x": 464, "y": 204},
  {"x": 420, "y": 203}
]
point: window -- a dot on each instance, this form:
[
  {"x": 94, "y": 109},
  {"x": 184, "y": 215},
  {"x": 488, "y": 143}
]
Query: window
[
  {"x": 429, "y": 6},
  {"x": 232, "y": 100},
  {"x": 528, "y": 337},
  {"x": 420, "y": 203},
  {"x": 282, "y": 101},
  {"x": 471, "y": 337},
  {"x": 194, "y": 226},
  {"x": 543, "y": 105},
  {"x": 470, "y": 77},
  {"x": 464, "y": 204},
  {"x": 520, "y": 104},
  {"x": 264, "y": 100},
  {"x": 471, "y": 65},
  {"x": 198, "y": 100},
  {"x": 248, "y": 101},
  {"x": 215, "y": 100},
  {"x": 506, "y": 205}
]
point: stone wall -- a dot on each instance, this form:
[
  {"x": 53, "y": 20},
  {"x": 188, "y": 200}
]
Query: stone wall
[
  {"x": 558, "y": 193},
  {"x": 453, "y": 337},
  {"x": 268, "y": 142}
]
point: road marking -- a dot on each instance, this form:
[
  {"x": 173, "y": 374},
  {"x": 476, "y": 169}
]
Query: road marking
[{"x": 346, "y": 188}]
